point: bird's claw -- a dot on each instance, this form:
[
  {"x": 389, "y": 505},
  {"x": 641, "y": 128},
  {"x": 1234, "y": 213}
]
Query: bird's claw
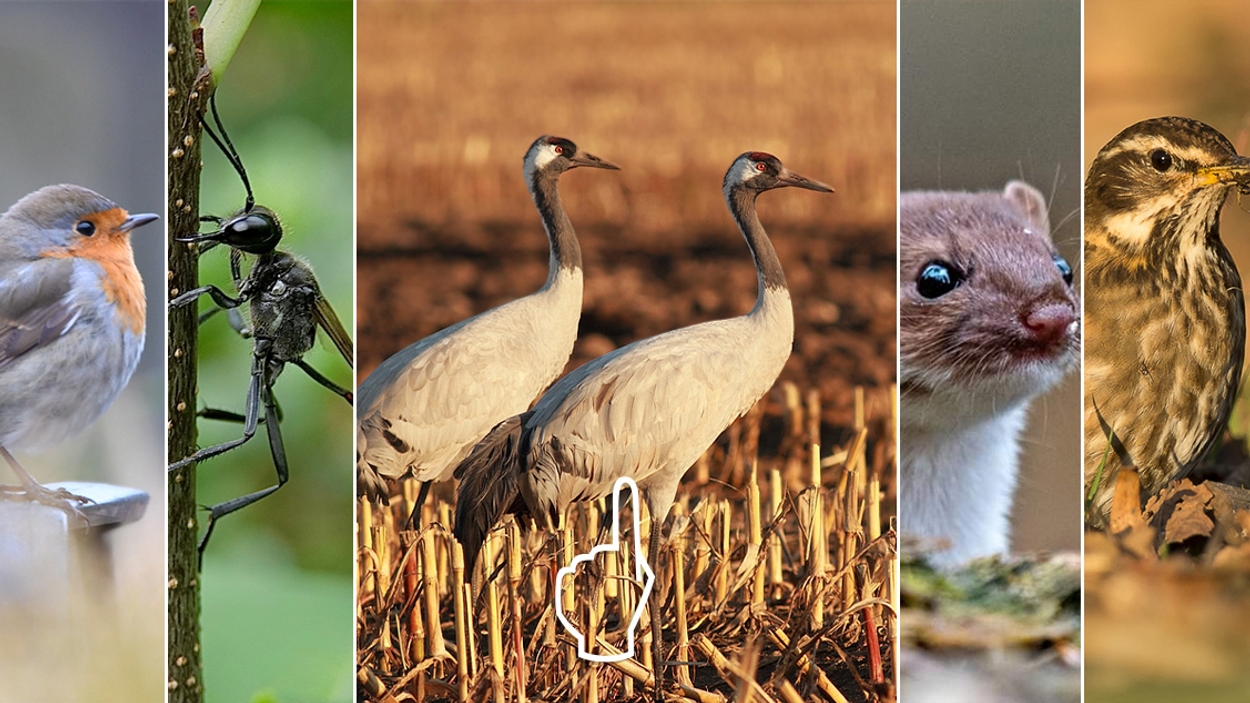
[{"x": 53, "y": 498}]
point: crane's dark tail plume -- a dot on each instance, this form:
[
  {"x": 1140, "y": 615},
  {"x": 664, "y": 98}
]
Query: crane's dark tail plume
[{"x": 489, "y": 484}]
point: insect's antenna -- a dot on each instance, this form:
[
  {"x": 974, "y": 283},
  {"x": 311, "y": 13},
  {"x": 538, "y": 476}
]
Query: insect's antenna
[{"x": 231, "y": 154}]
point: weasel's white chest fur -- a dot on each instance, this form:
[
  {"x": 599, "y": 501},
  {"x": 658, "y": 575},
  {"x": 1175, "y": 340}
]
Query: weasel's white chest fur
[{"x": 957, "y": 483}]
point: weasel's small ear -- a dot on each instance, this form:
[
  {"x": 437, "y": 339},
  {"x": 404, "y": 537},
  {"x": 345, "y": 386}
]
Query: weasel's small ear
[{"x": 1030, "y": 202}]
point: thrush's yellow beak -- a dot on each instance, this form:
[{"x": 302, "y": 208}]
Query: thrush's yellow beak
[{"x": 1236, "y": 171}]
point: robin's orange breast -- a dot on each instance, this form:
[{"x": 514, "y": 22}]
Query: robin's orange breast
[{"x": 120, "y": 282}]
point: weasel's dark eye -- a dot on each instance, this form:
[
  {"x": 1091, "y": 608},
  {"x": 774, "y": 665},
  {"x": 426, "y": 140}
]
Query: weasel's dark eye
[
  {"x": 937, "y": 279},
  {"x": 1064, "y": 269},
  {"x": 1161, "y": 160},
  {"x": 86, "y": 228}
]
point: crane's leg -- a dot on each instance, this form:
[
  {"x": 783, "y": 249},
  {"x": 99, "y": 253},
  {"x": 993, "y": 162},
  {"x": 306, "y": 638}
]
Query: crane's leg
[
  {"x": 414, "y": 518},
  {"x": 657, "y": 631}
]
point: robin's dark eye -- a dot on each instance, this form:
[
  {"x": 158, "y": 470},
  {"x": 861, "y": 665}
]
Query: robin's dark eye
[
  {"x": 1064, "y": 269},
  {"x": 937, "y": 279},
  {"x": 1161, "y": 160},
  {"x": 86, "y": 228}
]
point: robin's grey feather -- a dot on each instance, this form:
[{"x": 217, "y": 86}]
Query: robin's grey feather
[{"x": 35, "y": 307}]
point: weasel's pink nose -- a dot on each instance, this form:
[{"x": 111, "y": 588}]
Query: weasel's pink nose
[{"x": 1048, "y": 323}]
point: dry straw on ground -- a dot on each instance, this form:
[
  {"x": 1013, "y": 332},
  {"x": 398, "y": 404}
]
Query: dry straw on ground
[{"x": 757, "y": 604}]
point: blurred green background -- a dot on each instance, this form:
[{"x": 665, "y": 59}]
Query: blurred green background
[{"x": 277, "y": 578}]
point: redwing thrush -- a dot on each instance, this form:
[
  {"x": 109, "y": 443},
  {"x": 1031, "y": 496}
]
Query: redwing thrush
[{"x": 1164, "y": 311}]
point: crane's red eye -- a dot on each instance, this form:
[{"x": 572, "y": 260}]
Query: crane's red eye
[
  {"x": 559, "y": 149},
  {"x": 760, "y": 166}
]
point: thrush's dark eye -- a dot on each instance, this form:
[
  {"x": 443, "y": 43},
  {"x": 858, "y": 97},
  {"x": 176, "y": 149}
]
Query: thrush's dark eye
[
  {"x": 86, "y": 228},
  {"x": 937, "y": 279},
  {"x": 1161, "y": 160},
  {"x": 1064, "y": 269}
]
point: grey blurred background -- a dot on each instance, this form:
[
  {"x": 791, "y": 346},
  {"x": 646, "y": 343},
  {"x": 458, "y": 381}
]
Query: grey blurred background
[
  {"x": 991, "y": 92},
  {"x": 83, "y": 102}
]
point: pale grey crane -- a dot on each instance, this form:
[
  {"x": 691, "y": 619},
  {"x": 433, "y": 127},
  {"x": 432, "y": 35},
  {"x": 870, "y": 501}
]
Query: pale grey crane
[
  {"x": 646, "y": 410},
  {"x": 422, "y": 410}
]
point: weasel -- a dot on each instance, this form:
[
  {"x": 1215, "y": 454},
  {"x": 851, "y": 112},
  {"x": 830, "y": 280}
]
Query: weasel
[{"x": 988, "y": 319}]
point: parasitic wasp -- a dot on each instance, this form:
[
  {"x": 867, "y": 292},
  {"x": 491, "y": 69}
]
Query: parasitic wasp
[{"x": 285, "y": 308}]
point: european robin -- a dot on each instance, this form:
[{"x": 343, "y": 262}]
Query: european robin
[
  {"x": 71, "y": 320},
  {"x": 1164, "y": 311}
]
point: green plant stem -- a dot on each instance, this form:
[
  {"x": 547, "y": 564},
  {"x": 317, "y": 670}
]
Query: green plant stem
[{"x": 225, "y": 23}]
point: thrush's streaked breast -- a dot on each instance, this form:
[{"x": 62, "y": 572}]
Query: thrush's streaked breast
[{"x": 1165, "y": 325}]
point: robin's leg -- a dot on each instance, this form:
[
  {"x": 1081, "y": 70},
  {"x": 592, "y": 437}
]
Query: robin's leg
[
  {"x": 315, "y": 375},
  {"x": 32, "y": 490}
]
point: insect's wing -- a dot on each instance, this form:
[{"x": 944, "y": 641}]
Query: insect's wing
[{"x": 329, "y": 321}]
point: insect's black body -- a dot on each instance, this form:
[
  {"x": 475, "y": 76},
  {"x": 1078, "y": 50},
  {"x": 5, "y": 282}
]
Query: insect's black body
[
  {"x": 285, "y": 308},
  {"x": 283, "y": 294}
]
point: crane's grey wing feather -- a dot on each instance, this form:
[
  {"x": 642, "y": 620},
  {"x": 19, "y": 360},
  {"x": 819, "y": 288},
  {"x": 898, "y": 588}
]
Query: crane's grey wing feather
[
  {"x": 423, "y": 408},
  {"x": 489, "y": 484},
  {"x": 645, "y": 410}
]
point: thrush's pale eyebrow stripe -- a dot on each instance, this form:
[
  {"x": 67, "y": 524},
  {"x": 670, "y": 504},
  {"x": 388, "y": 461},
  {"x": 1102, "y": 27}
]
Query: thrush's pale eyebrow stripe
[{"x": 1147, "y": 144}]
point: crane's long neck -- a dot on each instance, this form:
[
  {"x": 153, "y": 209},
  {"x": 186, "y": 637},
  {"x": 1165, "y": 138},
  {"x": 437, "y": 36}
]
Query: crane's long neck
[
  {"x": 566, "y": 255},
  {"x": 772, "y": 280}
]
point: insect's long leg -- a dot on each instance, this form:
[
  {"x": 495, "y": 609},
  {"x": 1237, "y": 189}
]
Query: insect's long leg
[
  {"x": 251, "y": 416},
  {"x": 272, "y": 428},
  {"x": 232, "y": 416},
  {"x": 217, "y": 294},
  {"x": 315, "y": 375},
  {"x": 232, "y": 154}
]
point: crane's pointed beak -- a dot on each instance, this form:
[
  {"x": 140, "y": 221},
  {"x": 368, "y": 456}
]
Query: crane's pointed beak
[
  {"x": 581, "y": 158},
  {"x": 137, "y": 221},
  {"x": 790, "y": 178}
]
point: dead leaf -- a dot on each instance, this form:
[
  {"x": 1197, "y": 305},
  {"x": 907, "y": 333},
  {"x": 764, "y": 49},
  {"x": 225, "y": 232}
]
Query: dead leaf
[{"x": 1188, "y": 516}]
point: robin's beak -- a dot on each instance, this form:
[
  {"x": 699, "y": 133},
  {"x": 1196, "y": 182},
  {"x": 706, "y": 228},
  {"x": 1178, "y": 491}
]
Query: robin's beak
[
  {"x": 581, "y": 158},
  {"x": 137, "y": 221},
  {"x": 790, "y": 178}
]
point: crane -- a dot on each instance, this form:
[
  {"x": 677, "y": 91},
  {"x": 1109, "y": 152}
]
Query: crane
[
  {"x": 646, "y": 410},
  {"x": 422, "y": 409}
]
